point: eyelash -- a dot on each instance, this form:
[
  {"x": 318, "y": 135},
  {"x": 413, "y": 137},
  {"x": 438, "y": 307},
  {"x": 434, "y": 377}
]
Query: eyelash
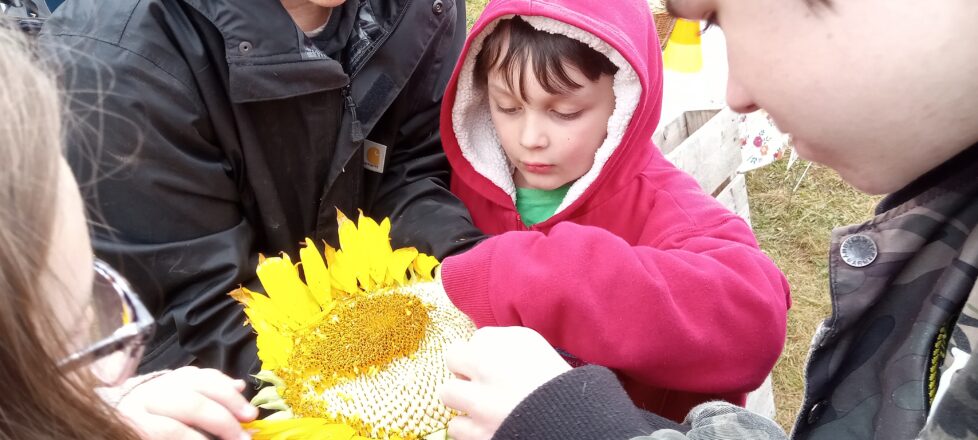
[
  {"x": 711, "y": 21},
  {"x": 568, "y": 116},
  {"x": 559, "y": 115},
  {"x": 506, "y": 111}
]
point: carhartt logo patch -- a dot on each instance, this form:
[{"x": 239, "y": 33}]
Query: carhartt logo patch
[{"x": 374, "y": 156}]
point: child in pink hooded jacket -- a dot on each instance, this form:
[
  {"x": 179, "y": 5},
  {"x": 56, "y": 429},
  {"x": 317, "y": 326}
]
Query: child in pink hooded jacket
[{"x": 600, "y": 244}]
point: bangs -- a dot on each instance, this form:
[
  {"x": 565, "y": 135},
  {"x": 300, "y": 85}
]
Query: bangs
[{"x": 514, "y": 45}]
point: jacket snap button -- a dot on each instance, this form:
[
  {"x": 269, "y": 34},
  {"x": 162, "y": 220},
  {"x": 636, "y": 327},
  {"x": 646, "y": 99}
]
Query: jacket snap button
[
  {"x": 244, "y": 47},
  {"x": 438, "y": 7},
  {"x": 816, "y": 412},
  {"x": 858, "y": 250}
]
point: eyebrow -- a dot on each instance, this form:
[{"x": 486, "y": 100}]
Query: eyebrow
[{"x": 500, "y": 88}]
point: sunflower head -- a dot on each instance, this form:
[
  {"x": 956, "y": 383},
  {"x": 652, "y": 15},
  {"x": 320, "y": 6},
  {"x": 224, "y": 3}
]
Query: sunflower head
[{"x": 353, "y": 346}]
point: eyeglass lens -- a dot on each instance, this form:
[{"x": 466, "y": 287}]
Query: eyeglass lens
[{"x": 111, "y": 312}]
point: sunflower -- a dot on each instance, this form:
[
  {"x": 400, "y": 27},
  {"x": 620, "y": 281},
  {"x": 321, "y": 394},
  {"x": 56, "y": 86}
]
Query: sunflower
[{"x": 355, "y": 350}]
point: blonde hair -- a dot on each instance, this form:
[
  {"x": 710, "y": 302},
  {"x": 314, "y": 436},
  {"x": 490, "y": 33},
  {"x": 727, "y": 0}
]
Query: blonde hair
[{"x": 39, "y": 400}]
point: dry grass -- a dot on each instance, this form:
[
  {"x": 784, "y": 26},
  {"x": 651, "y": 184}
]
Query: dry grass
[
  {"x": 472, "y": 10},
  {"x": 793, "y": 228}
]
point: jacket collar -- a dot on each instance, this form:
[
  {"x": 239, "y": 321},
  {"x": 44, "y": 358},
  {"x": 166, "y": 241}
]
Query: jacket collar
[
  {"x": 246, "y": 27},
  {"x": 963, "y": 165},
  {"x": 266, "y": 65}
]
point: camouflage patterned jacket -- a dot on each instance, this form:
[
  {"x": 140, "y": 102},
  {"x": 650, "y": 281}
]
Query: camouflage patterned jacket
[
  {"x": 903, "y": 324},
  {"x": 893, "y": 361}
]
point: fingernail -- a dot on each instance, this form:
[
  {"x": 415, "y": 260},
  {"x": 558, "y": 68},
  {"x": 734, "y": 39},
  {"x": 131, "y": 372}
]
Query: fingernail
[
  {"x": 245, "y": 436},
  {"x": 249, "y": 411}
]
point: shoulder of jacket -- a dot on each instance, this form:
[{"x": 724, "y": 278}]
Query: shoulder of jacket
[
  {"x": 93, "y": 19},
  {"x": 142, "y": 28}
]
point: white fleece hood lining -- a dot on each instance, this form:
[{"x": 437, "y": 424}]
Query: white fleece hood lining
[{"x": 477, "y": 137}]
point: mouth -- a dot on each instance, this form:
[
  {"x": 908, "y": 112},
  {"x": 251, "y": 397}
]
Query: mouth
[{"x": 537, "y": 168}]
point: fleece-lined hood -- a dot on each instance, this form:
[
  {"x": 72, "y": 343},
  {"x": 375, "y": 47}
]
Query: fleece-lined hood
[{"x": 625, "y": 35}]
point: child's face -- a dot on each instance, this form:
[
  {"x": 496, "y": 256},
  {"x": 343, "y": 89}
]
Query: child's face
[
  {"x": 551, "y": 139},
  {"x": 880, "y": 90}
]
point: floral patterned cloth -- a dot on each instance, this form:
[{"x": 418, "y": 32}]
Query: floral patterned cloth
[{"x": 761, "y": 143}]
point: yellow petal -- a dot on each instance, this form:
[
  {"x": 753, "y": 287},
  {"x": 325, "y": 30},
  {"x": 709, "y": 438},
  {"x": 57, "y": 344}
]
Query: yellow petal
[
  {"x": 261, "y": 308},
  {"x": 424, "y": 266},
  {"x": 272, "y": 324},
  {"x": 303, "y": 428},
  {"x": 281, "y": 281},
  {"x": 376, "y": 245},
  {"x": 354, "y": 255},
  {"x": 343, "y": 278},
  {"x": 274, "y": 346},
  {"x": 344, "y": 273},
  {"x": 317, "y": 276},
  {"x": 400, "y": 262},
  {"x": 241, "y": 295}
]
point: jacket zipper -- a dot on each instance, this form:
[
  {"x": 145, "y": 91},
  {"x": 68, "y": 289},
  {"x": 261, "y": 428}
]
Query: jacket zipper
[
  {"x": 356, "y": 131},
  {"x": 375, "y": 47}
]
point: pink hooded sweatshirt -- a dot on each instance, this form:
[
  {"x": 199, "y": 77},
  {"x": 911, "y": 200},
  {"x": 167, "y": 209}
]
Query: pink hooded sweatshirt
[{"x": 639, "y": 270}]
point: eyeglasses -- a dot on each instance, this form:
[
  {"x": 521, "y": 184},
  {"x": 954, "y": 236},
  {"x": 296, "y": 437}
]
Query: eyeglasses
[{"x": 119, "y": 325}]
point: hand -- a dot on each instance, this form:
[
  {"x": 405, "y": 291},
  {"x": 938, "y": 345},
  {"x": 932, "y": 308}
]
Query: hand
[
  {"x": 184, "y": 403},
  {"x": 495, "y": 371}
]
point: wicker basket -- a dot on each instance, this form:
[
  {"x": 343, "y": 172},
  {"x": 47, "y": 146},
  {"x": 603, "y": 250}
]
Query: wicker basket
[
  {"x": 663, "y": 26},
  {"x": 663, "y": 21}
]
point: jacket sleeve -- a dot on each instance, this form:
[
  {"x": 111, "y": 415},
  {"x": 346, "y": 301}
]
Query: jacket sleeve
[
  {"x": 414, "y": 192},
  {"x": 703, "y": 310},
  {"x": 585, "y": 402},
  {"x": 164, "y": 207},
  {"x": 588, "y": 402}
]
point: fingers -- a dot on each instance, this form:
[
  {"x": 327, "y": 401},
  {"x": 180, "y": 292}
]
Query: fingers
[
  {"x": 226, "y": 392},
  {"x": 464, "y": 428},
  {"x": 154, "y": 427},
  {"x": 199, "y": 398},
  {"x": 195, "y": 410},
  {"x": 460, "y": 395},
  {"x": 233, "y": 401},
  {"x": 462, "y": 360}
]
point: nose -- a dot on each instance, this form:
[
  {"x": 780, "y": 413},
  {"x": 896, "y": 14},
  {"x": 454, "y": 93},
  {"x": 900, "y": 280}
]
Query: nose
[
  {"x": 533, "y": 134},
  {"x": 737, "y": 98}
]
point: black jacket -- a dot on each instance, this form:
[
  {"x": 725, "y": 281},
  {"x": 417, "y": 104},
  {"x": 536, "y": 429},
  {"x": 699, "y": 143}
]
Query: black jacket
[
  {"x": 27, "y": 15},
  {"x": 204, "y": 132}
]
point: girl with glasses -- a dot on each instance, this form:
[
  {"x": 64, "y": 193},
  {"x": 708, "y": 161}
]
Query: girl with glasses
[{"x": 71, "y": 329}]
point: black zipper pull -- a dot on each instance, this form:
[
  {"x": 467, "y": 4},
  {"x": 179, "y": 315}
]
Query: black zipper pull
[{"x": 356, "y": 131}]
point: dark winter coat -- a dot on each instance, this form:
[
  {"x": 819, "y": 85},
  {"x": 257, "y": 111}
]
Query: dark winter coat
[{"x": 205, "y": 131}]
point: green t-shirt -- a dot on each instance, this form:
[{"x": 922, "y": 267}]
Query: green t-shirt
[{"x": 537, "y": 205}]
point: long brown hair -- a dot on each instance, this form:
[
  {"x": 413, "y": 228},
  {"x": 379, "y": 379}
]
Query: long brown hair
[{"x": 39, "y": 401}]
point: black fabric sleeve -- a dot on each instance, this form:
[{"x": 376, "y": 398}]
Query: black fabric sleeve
[{"x": 584, "y": 403}]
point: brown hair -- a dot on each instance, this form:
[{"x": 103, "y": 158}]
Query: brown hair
[
  {"x": 40, "y": 400},
  {"x": 548, "y": 51}
]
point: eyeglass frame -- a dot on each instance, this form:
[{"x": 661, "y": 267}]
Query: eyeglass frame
[{"x": 136, "y": 332}]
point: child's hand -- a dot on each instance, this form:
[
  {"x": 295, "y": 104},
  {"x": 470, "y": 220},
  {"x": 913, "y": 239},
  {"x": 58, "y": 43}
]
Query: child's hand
[
  {"x": 495, "y": 371},
  {"x": 185, "y": 403}
]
